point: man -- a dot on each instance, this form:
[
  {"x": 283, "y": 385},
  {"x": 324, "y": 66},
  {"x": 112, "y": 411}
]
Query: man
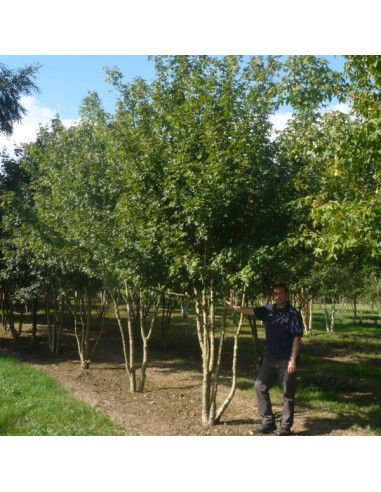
[{"x": 284, "y": 329}]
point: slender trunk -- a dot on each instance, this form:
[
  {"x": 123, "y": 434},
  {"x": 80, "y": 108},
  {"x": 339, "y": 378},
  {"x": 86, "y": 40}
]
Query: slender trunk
[
  {"x": 128, "y": 364},
  {"x": 82, "y": 308},
  {"x": 77, "y": 321},
  {"x": 207, "y": 333},
  {"x": 212, "y": 324},
  {"x": 234, "y": 297},
  {"x": 233, "y": 388},
  {"x": 103, "y": 319},
  {"x": 145, "y": 339},
  {"x": 22, "y": 306},
  {"x": 9, "y": 314},
  {"x": 34, "y": 320},
  {"x": 60, "y": 325},
  {"x": 87, "y": 329},
  {"x": 164, "y": 338},
  {"x": 306, "y": 307},
  {"x": 184, "y": 308},
  {"x": 167, "y": 311},
  {"x": 2, "y": 308},
  {"x": 213, "y": 399},
  {"x": 211, "y": 362},
  {"x": 131, "y": 337},
  {"x": 327, "y": 326},
  {"x": 204, "y": 338},
  {"x": 333, "y": 310},
  {"x": 12, "y": 321},
  {"x": 342, "y": 305},
  {"x": 54, "y": 323},
  {"x": 311, "y": 309},
  {"x": 48, "y": 320},
  {"x": 355, "y": 306},
  {"x": 53, "y": 342},
  {"x": 378, "y": 295}
]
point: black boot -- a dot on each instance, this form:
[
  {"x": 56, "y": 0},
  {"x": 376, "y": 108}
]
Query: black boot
[
  {"x": 283, "y": 432},
  {"x": 264, "y": 429}
]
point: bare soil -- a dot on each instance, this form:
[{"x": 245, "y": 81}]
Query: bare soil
[{"x": 171, "y": 402}]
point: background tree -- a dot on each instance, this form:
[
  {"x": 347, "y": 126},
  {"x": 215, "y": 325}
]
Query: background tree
[
  {"x": 13, "y": 85},
  {"x": 339, "y": 156}
]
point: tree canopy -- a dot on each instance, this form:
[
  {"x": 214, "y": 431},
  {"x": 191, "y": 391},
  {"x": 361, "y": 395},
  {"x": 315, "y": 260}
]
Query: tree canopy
[{"x": 15, "y": 83}]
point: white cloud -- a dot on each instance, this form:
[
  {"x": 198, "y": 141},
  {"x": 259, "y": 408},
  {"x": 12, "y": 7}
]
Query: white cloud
[
  {"x": 342, "y": 107},
  {"x": 279, "y": 120},
  {"x": 26, "y": 130}
]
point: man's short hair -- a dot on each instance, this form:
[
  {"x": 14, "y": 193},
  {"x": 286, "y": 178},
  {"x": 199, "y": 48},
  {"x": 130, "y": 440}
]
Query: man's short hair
[{"x": 281, "y": 286}]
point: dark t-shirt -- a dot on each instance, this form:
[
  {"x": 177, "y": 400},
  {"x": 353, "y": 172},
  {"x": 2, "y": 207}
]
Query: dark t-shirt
[{"x": 282, "y": 326}]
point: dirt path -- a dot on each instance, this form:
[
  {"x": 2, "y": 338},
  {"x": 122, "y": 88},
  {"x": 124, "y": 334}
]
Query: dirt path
[{"x": 170, "y": 405}]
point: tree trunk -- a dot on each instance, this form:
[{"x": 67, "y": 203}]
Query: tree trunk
[
  {"x": 168, "y": 305},
  {"x": 327, "y": 325},
  {"x": 48, "y": 320},
  {"x": 86, "y": 330},
  {"x": 34, "y": 320},
  {"x": 333, "y": 312},
  {"x": 131, "y": 337},
  {"x": 229, "y": 398},
  {"x": 145, "y": 339},
  {"x": 213, "y": 399},
  {"x": 211, "y": 362},
  {"x": 184, "y": 308},
  {"x": 342, "y": 305},
  {"x": 82, "y": 317},
  {"x": 22, "y": 306},
  {"x": 203, "y": 332},
  {"x": 311, "y": 309},
  {"x": 128, "y": 362},
  {"x": 60, "y": 325}
]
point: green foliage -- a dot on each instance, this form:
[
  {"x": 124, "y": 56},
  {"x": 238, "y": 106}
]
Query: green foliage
[
  {"x": 185, "y": 183},
  {"x": 339, "y": 160},
  {"x": 13, "y": 85}
]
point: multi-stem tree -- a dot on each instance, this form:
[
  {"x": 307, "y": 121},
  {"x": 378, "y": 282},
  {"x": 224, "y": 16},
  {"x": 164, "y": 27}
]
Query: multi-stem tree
[{"x": 220, "y": 181}]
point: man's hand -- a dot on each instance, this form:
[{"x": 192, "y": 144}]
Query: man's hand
[
  {"x": 240, "y": 309},
  {"x": 291, "y": 366},
  {"x": 294, "y": 354}
]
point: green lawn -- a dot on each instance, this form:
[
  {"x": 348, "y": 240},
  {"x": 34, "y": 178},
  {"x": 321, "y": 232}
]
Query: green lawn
[{"x": 33, "y": 404}]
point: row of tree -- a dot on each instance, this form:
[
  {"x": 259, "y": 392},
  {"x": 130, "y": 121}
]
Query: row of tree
[{"x": 187, "y": 189}]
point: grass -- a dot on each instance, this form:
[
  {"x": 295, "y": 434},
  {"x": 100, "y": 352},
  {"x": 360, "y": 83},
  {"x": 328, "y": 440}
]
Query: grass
[{"x": 33, "y": 404}]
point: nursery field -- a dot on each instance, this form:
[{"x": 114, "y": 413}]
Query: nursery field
[{"x": 339, "y": 391}]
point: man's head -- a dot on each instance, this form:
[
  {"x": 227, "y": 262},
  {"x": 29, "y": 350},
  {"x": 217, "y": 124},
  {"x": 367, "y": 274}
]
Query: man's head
[{"x": 280, "y": 295}]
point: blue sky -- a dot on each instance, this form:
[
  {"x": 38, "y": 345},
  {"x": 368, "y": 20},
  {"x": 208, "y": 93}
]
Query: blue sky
[{"x": 64, "y": 80}]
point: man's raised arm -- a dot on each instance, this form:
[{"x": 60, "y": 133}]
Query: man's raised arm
[{"x": 239, "y": 309}]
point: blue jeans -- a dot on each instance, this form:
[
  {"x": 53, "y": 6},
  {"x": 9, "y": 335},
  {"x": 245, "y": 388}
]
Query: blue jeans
[{"x": 271, "y": 371}]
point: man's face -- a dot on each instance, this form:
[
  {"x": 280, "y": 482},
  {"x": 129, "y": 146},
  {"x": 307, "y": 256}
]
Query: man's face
[{"x": 280, "y": 296}]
